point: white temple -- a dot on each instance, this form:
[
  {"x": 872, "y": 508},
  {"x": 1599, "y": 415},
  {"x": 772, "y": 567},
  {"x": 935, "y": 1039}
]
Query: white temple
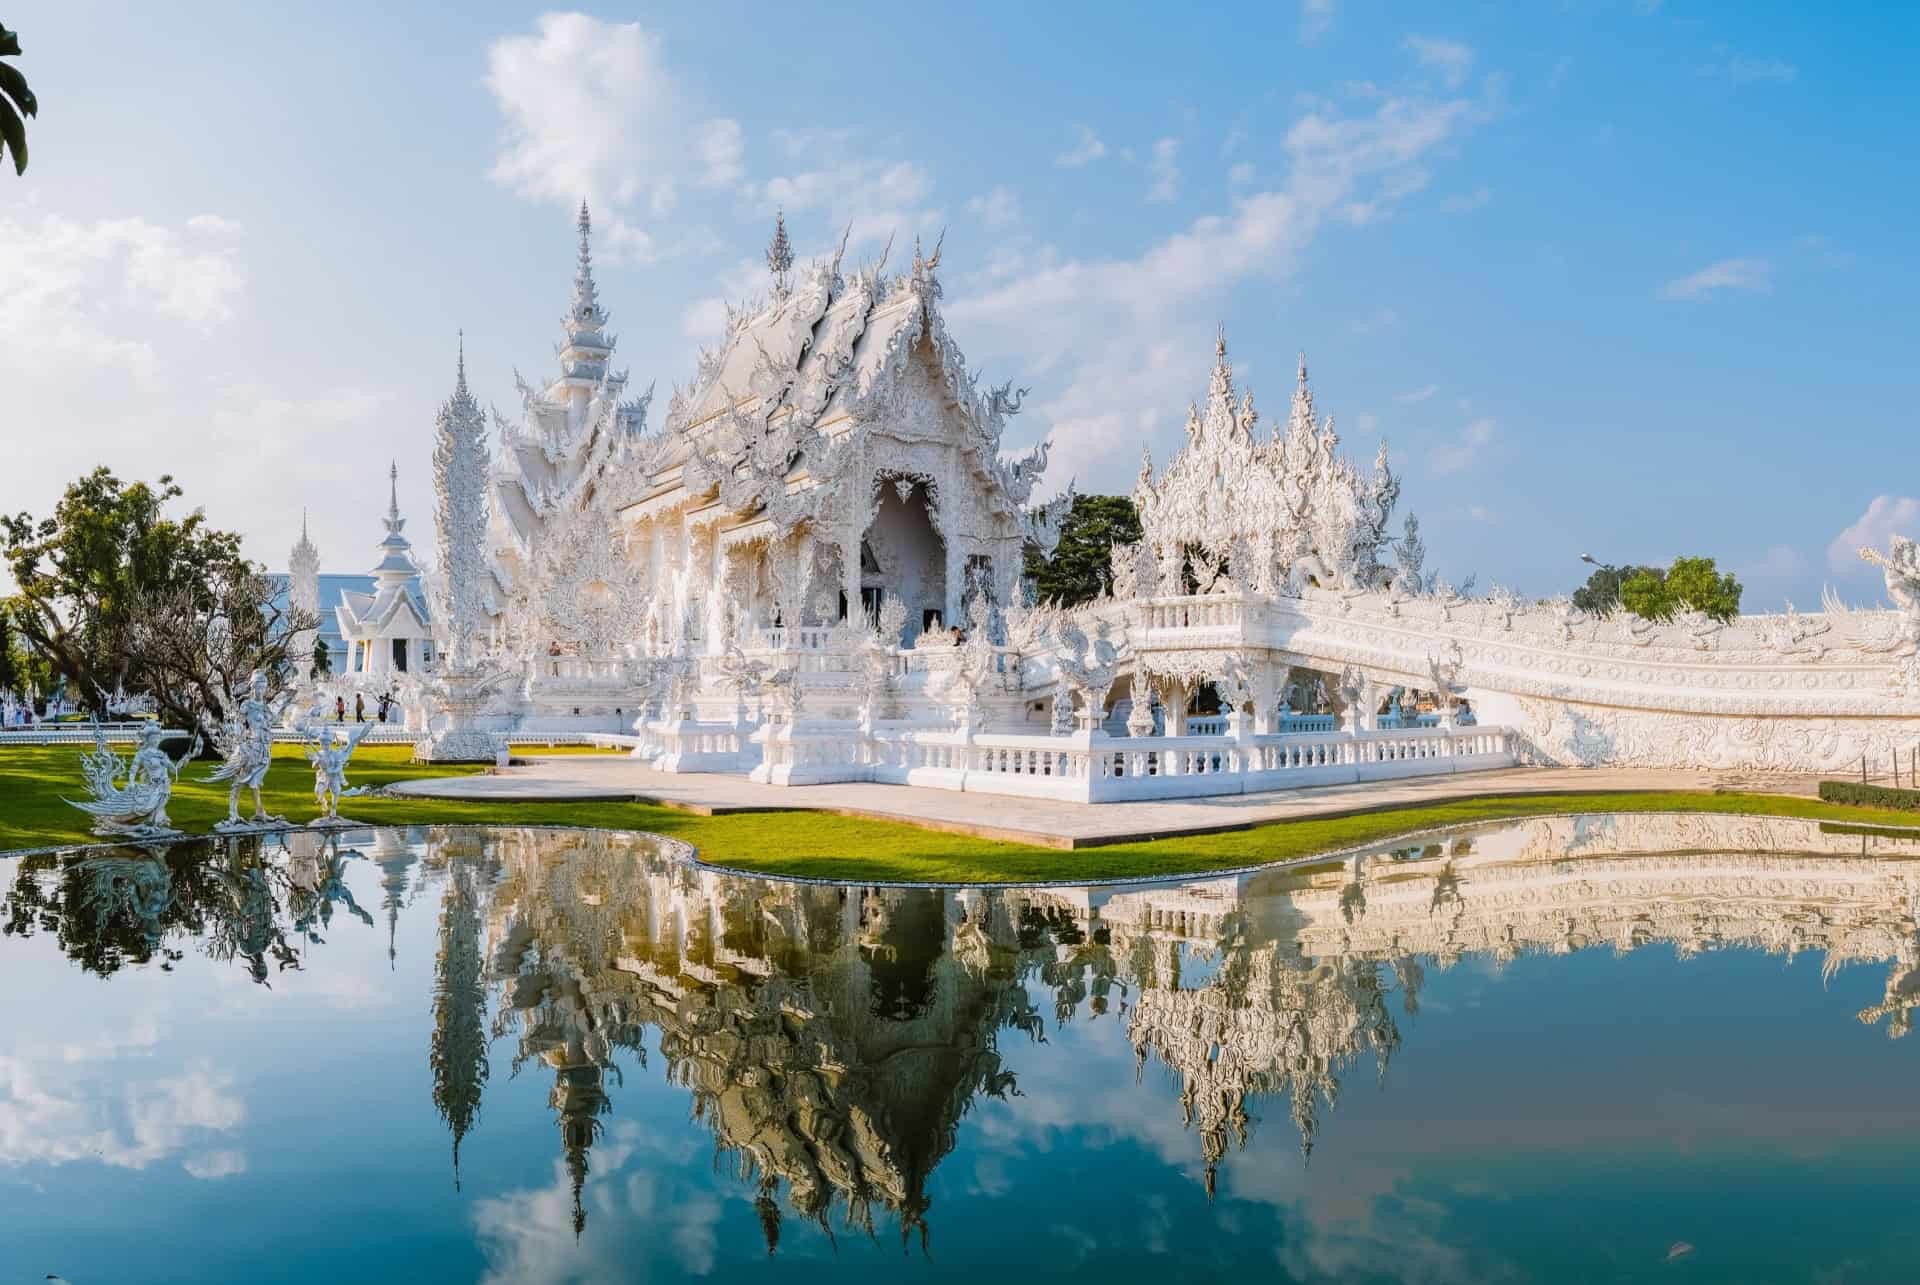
[
  {"x": 386, "y": 631},
  {"x": 770, "y": 581}
]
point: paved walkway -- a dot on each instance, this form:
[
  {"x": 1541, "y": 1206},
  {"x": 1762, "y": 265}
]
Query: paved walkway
[{"x": 1045, "y": 822}]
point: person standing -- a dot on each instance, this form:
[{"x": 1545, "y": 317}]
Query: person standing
[
  {"x": 359, "y": 707},
  {"x": 339, "y": 709}
]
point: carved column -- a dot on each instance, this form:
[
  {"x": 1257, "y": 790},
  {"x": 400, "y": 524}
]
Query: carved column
[
  {"x": 852, "y": 532},
  {"x": 1177, "y": 695}
]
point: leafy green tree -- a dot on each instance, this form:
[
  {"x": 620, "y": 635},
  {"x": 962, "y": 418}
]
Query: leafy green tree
[
  {"x": 1601, "y": 593},
  {"x": 1689, "y": 584},
  {"x": 1080, "y": 565},
  {"x": 322, "y": 659},
  {"x": 115, "y": 593},
  {"x": 16, "y": 100}
]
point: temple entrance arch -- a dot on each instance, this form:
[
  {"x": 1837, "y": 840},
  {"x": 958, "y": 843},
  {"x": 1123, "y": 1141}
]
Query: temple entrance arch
[{"x": 902, "y": 555}]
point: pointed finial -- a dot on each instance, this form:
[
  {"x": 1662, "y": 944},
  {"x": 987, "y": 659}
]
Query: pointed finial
[
  {"x": 585, "y": 312},
  {"x": 460, "y": 366},
  {"x": 780, "y": 255},
  {"x": 393, "y": 493},
  {"x": 1303, "y": 368},
  {"x": 303, "y": 522}
]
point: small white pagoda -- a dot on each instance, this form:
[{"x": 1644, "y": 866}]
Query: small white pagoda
[{"x": 386, "y": 631}]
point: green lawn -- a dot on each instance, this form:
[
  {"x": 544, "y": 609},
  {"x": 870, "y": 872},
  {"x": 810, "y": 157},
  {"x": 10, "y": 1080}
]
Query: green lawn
[{"x": 34, "y": 779}]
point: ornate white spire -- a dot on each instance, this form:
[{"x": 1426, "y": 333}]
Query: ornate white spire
[
  {"x": 395, "y": 523},
  {"x": 1300, "y": 419},
  {"x": 586, "y": 347},
  {"x": 585, "y": 314},
  {"x": 780, "y": 256},
  {"x": 303, "y": 594},
  {"x": 460, "y": 513}
]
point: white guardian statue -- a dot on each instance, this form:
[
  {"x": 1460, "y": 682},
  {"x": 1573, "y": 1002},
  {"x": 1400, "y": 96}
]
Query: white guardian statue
[{"x": 245, "y": 741}]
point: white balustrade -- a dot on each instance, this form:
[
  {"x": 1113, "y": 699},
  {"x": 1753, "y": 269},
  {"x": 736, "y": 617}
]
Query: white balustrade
[
  {"x": 1093, "y": 767},
  {"x": 1195, "y": 611}
]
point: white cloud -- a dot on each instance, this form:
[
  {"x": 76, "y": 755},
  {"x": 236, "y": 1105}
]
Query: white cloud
[
  {"x": 1771, "y": 577},
  {"x": 1087, "y": 148},
  {"x": 835, "y": 174},
  {"x": 721, "y": 149},
  {"x": 636, "y": 1213},
  {"x": 1163, "y": 167},
  {"x": 1451, "y": 59},
  {"x": 1886, "y": 517},
  {"x": 1315, "y": 17},
  {"x": 706, "y": 319},
  {"x": 214, "y": 225},
  {"x": 1418, "y": 394},
  {"x": 1728, "y": 274},
  {"x": 591, "y": 112},
  {"x": 57, "y": 1112},
  {"x": 76, "y": 294},
  {"x": 1459, "y": 453},
  {"x": 1124, "y": 342},
  {"x": 1739, "y": 69},
  {"x": 997, "y": 208},
  {"x": 215, "y": 1164},
  {"x": 1466, "y": 201}
]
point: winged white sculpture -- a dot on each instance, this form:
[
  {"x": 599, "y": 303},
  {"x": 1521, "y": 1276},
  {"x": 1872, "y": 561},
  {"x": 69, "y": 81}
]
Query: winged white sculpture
[
  {"x": 329, "y": 754},
  {"x": 133, "y": 804}
]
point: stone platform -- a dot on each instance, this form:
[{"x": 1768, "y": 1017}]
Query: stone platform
[{"x": 1046, "y": 822}]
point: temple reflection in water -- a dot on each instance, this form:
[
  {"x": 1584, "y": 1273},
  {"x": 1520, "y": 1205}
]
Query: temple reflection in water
[{"x": 833, "y": 1038}]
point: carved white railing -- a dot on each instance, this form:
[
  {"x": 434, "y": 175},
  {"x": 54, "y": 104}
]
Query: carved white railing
[
  {"x": 690, "y": 745},
  {"x": 578, "y": 669},
  {"x": 72, "y": 733},
  {"x": 1195, "y": 611},
  {"x": 1093, "y": 767},
  {"x": 806, "y": 638}
]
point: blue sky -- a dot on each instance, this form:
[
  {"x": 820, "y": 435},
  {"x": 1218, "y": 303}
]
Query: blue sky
[{"x": 1632, "y": 278}]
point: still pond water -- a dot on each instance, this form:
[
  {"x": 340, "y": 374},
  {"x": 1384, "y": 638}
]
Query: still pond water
[{"x": 1593, "y": 1048}]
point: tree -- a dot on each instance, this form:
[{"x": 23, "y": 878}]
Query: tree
[
  {"x": 12, "y": 658},
  {"x": 1693, "y": 584},
  {"x": 1078, "y": 569},
  {"x": 114, "y": 593},
  {"x": 1601, "y": 593},
  {"x": 16, "y": 100},
  {"x": 322, "y": 658},
  {"x": 193, "y": 648}
]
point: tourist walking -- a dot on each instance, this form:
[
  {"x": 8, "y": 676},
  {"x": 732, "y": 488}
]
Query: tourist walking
[
  {"x": 339, "y": 709},
  {"x": 359, "y": 707},
  {"x": 386, "y": 703}
]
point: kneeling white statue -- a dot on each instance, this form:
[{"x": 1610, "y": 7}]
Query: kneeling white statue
[{"x": 137, "y": 808}]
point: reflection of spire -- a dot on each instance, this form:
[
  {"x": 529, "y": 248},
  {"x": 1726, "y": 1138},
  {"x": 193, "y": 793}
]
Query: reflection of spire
[
  {"x": 580, "y": 1096},
  {"x": 458, "y": 1053},
  {"x": 768, "y": 1210}
]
